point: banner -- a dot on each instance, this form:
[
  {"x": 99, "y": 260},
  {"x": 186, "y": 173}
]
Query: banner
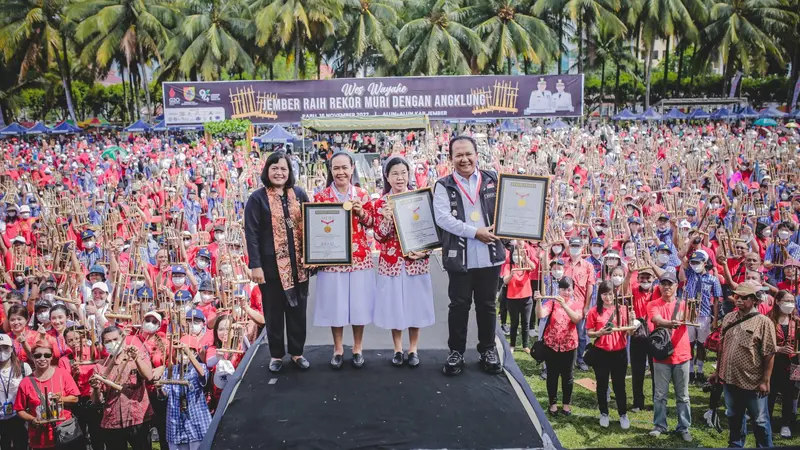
[
  {"x": 446, "y": 97},
  {"x": 735, "y": 83},
  {"x": 794, "y": 96}
]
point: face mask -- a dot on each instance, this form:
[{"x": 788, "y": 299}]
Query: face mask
[
  {"x": 89, "y": 244},
  {"x": 197, "y": 328},
  {"x": 19, "y": 280},
  {"x": 557, "y": 249},
  {"x": 43, "y": 317},
  {"x": 515, "y": 259},
  {"x": 150, "y": 327},
  {"x": 715, "y": 206},
  {"x": 646, "y": 286},
  {"x": 138, "y": 284},
  {"x": 207, "y": 298},
  {"x": 187, "y": 242},
  {"x": 767, "y": 233},
  {"x": 219, "y": 237},
  {"x": 568, "y": 225},
  {"x": 698, "y": 268},
  {"x": 226, "y": 269},
  {"x": 178, "y": 281},
  {"x": 617, "y": 280},
  {"x": 557, "y": 274},
  {"x": 574, "y": 251},
  {"x": 5, "y": 355},
  {"x": 662, "y": 259},
  {"x": 111, "y": 347},
  {"x": 202, "y": 264},
  {"x": 596, "y": 251},
  {"x": 663, "y": 228},
  {"x": 48, "y": 296},
  {"x": 25, "y": 215},
  {"x": 784, "y": 196},
  {"x": 630, "y": 211},
  {"x": 784, "y": 234},
  {"x": 747, "y": 238}
]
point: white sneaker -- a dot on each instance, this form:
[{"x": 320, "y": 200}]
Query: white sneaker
[
  {"x": 655, "y": 432},
  {"x": 604, "y": 420},
  {"x": 686, "y": 436},
  {"x": 786, "y": 432},
  {"x": 707, "y": 416},
  {"x": 624, "y": 423}
]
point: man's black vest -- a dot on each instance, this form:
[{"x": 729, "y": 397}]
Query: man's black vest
[{"x": 454, "y": 248}]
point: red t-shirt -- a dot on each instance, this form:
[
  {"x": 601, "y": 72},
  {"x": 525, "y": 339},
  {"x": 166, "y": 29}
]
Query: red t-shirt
[
  {"x": 680, "y": 336},
  {"x": 27, "y": 400},
  {"x": 85, "y": 371},
  {"x": 611, "y": 342},
  {"x": 641, "y": 302},
  {"x": 519, "y": 286}
]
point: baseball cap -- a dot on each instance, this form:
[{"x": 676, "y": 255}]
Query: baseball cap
[
  {"x": 597, "y": 241},
  {"x": 18, "y": 239},
  {"x": 203, "y": 253},
  {"x": 691, "y": 212},
  {"x": 558, "y": 261},
  {"x": 575, "y": 241},
  {"x": 663, "y": 216},
  {"x": 42, "y": 304},
  {"x": 97, "y": 268},
  {"x": 6, "y": 340},
  {"x": 154, "y": 314},
  {"x": 87, "y": 234},
  {"x": 662, "y": 248},
  {"x": 183, "y": 296},
  {"x": 195, "y": 314},
  {"x": 178, "y": 269},
  {"x": 634, "y": 219},
  {"x": 100, "y": 285},
  {"x": 699, "y": 256},
  {"x": 206, "y": 285},
  {"x": 668, "y": 276},
  {"x": 144, "y": 292}
]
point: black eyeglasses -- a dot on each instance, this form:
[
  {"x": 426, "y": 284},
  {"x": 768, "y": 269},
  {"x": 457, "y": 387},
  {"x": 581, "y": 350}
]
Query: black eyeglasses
[
  {"x": 667, "y": 284},
  {"x": 42, "y": 355}
]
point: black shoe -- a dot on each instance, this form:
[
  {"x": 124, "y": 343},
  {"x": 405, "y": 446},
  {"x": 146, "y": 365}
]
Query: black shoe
[
  {"x": 454, "y": 364},
  {"x": 700, "y": 378},
  {"x": 397, "y": 361},
  {"x": 302, "y": 363},
  {"x": 276, "y": 365},
  {"x": 691, "y": 377},
  {"x": 505, "y": 329},
  {"x": 358, "y": 360},
  {"x": 490, "y": 362},
  {"x": 413, "y": 359},
  {"x": 336, "y": 362}
]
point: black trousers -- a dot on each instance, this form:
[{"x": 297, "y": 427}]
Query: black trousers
[
  {"x": 159, "y": 420},
  {"x": 482, "y": 285},
  {"x": 639, "y": 360},
  {"x": 503, "y": 305},
  {"x": 614, "y": 364},
  {"x": 278, "y": 312},
  {"x": 534, "y": 320},
  {"x": 520, "y": 310},
  {"x": 89, "y": 418},
  {"x": 780, "y": 383},
  {"x": 560, "y": 364},
  {"x": 138, "y": 436},
  {"x": 13, "y": 434}
]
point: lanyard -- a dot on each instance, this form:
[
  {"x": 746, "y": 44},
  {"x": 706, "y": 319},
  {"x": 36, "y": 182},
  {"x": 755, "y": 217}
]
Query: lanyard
[
  {"x": 464, "y": 191},
  {"x": 350, "y": 193},
  {"x": 6, "y": 383}
]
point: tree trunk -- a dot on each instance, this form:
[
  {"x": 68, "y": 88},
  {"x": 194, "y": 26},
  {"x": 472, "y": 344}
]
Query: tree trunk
[
  {"x": 297, "y": 52},
  {"x": 64, "y": 68},
  {"x": 134, "y": 94},
  {"x": 727, "y": 74},
  {"x": 580, "y": 42},
  {"x": 677, "y": 90},
  {"x": 636, "y": 70},
  {"x": 602, "y": 85},
  {"x": 665, "y": 81},
  {"x": 647, "y": 64},
  {"x": 616, "y": 88},
  {"x": 145, "y": 83},
  {"x": 525, "y": 65},
  {"x": 272, "y": 69},
  {"x": 508, "y": 64},
  {"x": 793, "y": 76},
  {"x": 124, "y": 108},
  {"x": 560, "y": 40}
]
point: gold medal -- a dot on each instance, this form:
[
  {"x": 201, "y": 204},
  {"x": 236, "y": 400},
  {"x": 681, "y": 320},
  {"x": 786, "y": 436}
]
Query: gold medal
[
  {"x": 475, "y": 216},
  {"x": 521, "y": 202},
  {"x": 415, "y": 217},
  {"x": 348, "y": 205},
  {"x": 327, "y": 228}
]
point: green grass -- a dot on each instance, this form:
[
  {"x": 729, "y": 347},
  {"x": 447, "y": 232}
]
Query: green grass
[{"x": 582, "y": 429}]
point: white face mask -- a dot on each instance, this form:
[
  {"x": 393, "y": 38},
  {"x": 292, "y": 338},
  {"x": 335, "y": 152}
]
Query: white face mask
[
  {"x": 49, "y": 296},
  {"x": 207, "y": 298},
  {"x": 783, "y": 234},
  {"x": 557, "y": 249},
  {"x": 43, "y": 317},
  {"x": 19, "y": 279},
  {"x": 568, "y": 224},
  {"x": 767, "y": 233},
  {"x": 574, "y": 251},
  {"x": 201, "y": 263},
  {"x": 787, "y": 308},
  {"x": 617, "y": 280},
  {"x": 5, "y": 355},
  {"x": 226, "y": 269},
  {"x": 178, "y": 281},
  {"x": 187, "y": 242},
  {"x": 557, "y": 274},
  {"x": 698, "y": 268},
  {"x": 138, "y": 284},
  {"x": 150, "y": 327},
  {"x": 597, "y": 251},
  {"x": 715, "y": 206},
  {"x": 515, "y": 259},
  {"x": 111, "y": 347},
  {"x": 646, "y": 286},
  {"x": 662, "y": 259},
  {"x": 89, "y": 244},
  {"x": 219, "y": 237},
  {"x": 684, "y": 233},
  {"x": 197, "y": 328}
]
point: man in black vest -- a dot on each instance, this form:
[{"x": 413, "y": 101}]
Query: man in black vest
[{"x": 471, "y": 253}]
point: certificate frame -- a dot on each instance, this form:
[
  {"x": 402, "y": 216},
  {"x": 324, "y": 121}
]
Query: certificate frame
[
  {"x": 426, "y": 194},
  {"x": 309, "y": 210},
  {"x": 510, "y": 229}
]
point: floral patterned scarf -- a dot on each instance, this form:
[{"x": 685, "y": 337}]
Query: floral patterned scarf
[{"x": 281, "y": 227}]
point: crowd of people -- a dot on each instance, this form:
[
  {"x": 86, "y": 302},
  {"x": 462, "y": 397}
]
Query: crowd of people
[{"x": 134, "y": 282}]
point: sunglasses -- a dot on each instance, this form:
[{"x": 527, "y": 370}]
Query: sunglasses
[
  {"x": 42, "y": 355},
  {"x": 667, "y": 284}
]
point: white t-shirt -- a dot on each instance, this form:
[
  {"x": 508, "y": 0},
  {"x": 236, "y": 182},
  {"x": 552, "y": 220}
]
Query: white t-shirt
[{"x": 8, "y": 388}]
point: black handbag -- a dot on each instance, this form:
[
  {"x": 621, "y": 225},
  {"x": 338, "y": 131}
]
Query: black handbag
[
  {"x": 65, "y": 432},
  {"x": 539, "y": 351},
  {"x": 640, "y": 333},
  {"x": 592, "y": 354},
  {"x": 659, "y": 343}
]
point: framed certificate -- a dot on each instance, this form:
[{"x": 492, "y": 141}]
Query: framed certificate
[
  {"x": 520, "y": 207},
  {"x": 327, "y": 235},
  {"x": 413, "y": 220}
]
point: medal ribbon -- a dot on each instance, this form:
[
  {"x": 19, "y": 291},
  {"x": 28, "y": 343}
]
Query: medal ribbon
[
  {"x": 327, "y": 222},
  {"x": 464, "y": 191}
]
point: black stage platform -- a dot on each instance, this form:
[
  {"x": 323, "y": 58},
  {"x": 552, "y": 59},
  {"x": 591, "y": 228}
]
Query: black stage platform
[{"x": 379, "y": 406}]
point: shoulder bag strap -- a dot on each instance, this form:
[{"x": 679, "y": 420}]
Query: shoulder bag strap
[
  {"x": 677, "y": 307},
  {"x": 611, "y": 319},
  {"x": 737, "y": 322},
  {"x": 36, "y": 386}
]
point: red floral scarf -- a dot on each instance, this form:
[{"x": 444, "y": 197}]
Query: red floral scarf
[{"x": 280, "y": 229}]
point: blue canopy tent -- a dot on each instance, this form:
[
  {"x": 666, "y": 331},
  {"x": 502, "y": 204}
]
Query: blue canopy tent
[
  {"x": 39, "y": 128},
  {"x": 771, "y": 112},
  {"x": 722, "y": 114},
  {"x": 625, "y": 114},
  {"x": 277, "y": 134},
  {"x": 14, "y": 129},
  {"x": 65, "y": 128},
  {"x": 747, "y": 113},
  {"x": 137, "y": 127},
  {"x": 651, "y": 114},
  {"x": 160, "y": 127},
  {"x": 509, "y": 126},
  {"x": 675, "y": 114},
  {"x": 698, "y": 114},
  {"x": 557, "y": 125}
]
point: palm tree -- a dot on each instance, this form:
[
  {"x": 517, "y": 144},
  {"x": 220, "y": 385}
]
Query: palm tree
[
  {"x": 212, "y": 37},
  {"x": 136, "y": 29},
  {"x": 370, "y": 27},
  {"x": 508, "y": 32},
  {"x": 608, "y": 48},
  {"x": 437, "y": 39},
  {"x": 289, "y": 23},
  {"x": 742, "y": 30},
  {"x": 35, "y": 32}
]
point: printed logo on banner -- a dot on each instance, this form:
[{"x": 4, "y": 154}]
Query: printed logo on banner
[{"x": 188, "y": 93}]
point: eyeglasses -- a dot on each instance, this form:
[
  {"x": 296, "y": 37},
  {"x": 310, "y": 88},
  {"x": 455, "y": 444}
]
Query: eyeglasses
[
  {"x": 42, "y": 355},
  {"x": 667, "y": 284}
]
